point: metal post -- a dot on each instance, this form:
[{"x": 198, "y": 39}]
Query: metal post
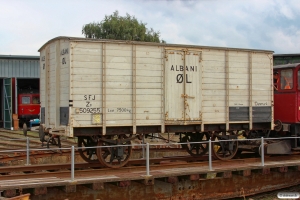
[
  {"x": 147, "y": 160},
  {"x": 72, "y": 162},
  {"x": 209, "y": 155},
  {"x": 27, "y": 151},
  {"x": 262, "y": 152},
  {"x": 143, "y": 147}
]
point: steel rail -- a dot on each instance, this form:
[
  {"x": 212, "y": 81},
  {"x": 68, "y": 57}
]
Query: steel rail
[
  {"x": 173, "y": 161},
  {"x": 135, "y": 172}
]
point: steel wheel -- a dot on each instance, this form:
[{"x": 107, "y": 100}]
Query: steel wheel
[
  {"x": 195, "y": 149},
  {"x": 52, "y": 140},
  {"x": 25, "y": 129},
  {"x": 114, "y": 157},
  {"x": 224, "y": 150},
  {"x": 87, "y": 154}
]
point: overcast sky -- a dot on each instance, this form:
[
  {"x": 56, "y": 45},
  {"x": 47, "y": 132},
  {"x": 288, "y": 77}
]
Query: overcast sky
[{"x": 25, "y": 25}]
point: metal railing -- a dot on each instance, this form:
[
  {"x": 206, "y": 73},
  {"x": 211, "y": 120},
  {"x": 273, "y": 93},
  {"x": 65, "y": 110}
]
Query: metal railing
[{"x": 143, "y": 146}]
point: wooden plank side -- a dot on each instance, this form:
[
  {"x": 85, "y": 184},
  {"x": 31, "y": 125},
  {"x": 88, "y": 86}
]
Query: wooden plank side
[
  {"x": 217, "y": 67},
  {"x": 119, "y": 104},
  {"x": 206, "y": 103},
  {"x": 110, "y": 46},
  {"x": 262, "y": 80},
  {"x": 119, "y": 78},
  {"x": 85, "y": 121},
  {"x": 86, "y": 58},
  {"x": 86, "y": 80},
  {"x": 86, "y": 84},
  {"x": 120, "y": 119},
  {"x": 141, "y": 79},
  {"x": 149, "y": 110},
  {"x": 83, "y": 91},
  {"x": 148, "y": 84},
  {"x": 238, "y": 86},
  {"x": 87, "y": 77},
  {"x": 213, "y": 98},
  {"x": 118, "y": 62},
  {"x": 148, "y": 122},
  {"x": 64, "y": 73},
  {"x": 147, "y": 66},
  {"x": 213, "y": 55},
  {"x": 213, "y": 80},
  {"x": 148, "y": 98},
  {"x": 209, "y": 75},
  {"x": 86, "y": 45},
  {"x": 240, "y": 77},
  {"x": 114, "y": 116},
  {"x": 239, "y": 69},
  {"x": 118, "y": 59},
  {"x": 262, "y": 93},
  {"x": 213, "y": 86},
  {"x": 87, "y": 64},
  {"x": 216, "y": 86},
  {"x": 148, "y": 73},
  {"x": 147, "y": 48},
  {"x": 214, "y": 109},
  {"x": 155, "y": 103},
  {"x": 119, "y": 73},
  {"x": 155, "y": 61},
  {"x": 262, "y": 77},
  {"x": 265, "y": 97},
  {"x": 149, "y": 91},
  {"x": 88, "y": 50},
  {"x": 43, "y": 83},
  {"x": 156, "y": 54},
  {"x": 258, "y": 70},
  {"x": 213, "y": 92},
  {"x": 214, "y": 117},
  {"x": 51, "y": 85},
  {"x": 111, "y": 54}
]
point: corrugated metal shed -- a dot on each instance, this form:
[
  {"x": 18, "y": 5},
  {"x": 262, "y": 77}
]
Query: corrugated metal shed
[{"x": 19, "y": 66}]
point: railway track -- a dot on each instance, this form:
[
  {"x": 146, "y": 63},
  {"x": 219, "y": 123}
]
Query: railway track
[
  {"x": 87, "y": 170},
  {"x": 138, "y": 164}
]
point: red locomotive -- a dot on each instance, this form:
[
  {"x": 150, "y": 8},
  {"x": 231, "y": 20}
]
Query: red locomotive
[
  {"x": 287, "y": 99},
  {"x": 28, "y": 106}
]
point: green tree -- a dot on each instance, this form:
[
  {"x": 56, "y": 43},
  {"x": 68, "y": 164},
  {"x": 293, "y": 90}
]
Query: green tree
[{"x": 121, "y": 28}]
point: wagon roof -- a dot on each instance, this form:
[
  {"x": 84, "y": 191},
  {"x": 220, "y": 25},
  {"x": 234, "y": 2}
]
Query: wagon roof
[
  {"x": 148, "y": 43},
  {"x": 292, "y": 65},
  {"x": 21, "y": 57}
]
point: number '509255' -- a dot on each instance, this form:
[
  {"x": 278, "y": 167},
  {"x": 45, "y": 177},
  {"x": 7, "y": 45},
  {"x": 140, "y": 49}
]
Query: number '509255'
[{"x": 89, "y": 110}]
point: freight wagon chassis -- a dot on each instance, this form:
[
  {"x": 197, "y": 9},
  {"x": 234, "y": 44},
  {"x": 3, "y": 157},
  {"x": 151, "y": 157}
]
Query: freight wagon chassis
[
  {"x": 223, "y": 146},
  {"x": 112, "y": 151}
]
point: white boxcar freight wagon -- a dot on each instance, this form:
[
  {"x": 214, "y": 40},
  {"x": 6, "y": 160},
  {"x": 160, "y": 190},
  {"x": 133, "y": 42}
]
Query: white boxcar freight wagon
[{"x": 103, "y": 88}]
